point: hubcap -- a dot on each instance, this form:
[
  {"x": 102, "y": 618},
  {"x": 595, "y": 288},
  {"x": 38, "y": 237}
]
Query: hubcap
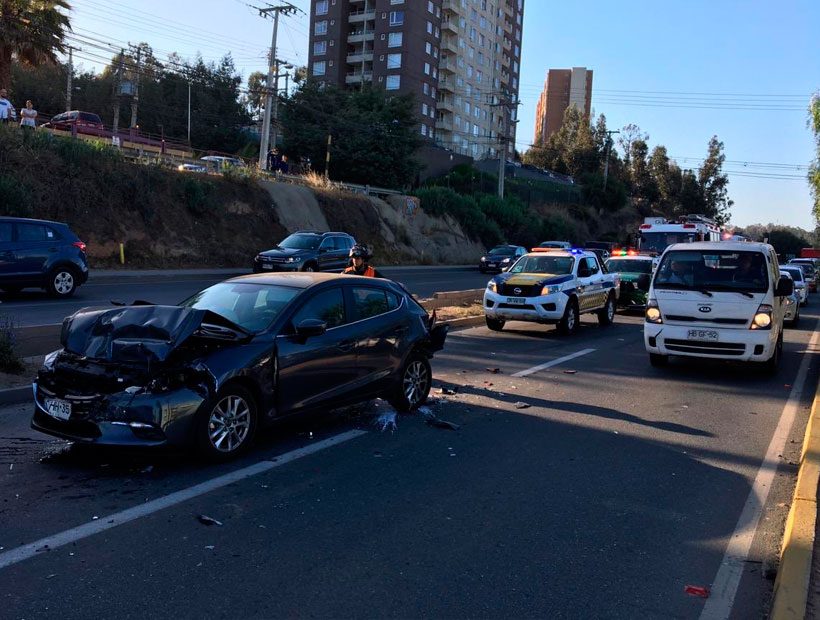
[
  {"x": 229, "y": 424},
  {"x": 415, "y": 382},
  {"x": 571, "y": 319},
  {"x": 63, "y": 282},
  {"x": 610, "y": 309}
]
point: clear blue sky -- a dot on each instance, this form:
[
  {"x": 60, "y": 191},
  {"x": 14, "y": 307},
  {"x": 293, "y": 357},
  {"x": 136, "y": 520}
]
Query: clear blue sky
[{"x": 664, "y": 66}]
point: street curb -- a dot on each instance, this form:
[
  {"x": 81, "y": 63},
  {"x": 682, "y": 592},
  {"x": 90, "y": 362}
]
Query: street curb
[
  {"x": 15, "y": 396},
  {"x": 791, "y": 587},
  {"x": 470, "y": 321}
]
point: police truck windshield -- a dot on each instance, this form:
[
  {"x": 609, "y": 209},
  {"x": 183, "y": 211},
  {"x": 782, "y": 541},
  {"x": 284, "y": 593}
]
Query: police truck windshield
[{"x": 556, "y": 265}]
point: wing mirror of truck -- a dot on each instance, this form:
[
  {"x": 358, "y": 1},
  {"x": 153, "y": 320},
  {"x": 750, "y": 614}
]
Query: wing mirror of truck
[{"x": 785, "y": 287}]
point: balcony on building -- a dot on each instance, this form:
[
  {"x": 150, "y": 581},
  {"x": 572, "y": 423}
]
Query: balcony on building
[
  {"x": 445, "y": 105},
  {"x": 450, "y": 25},
  {"x": 363, "y": 15},
  {"x": 450, "y": 44},
  {"x": 444, "y": 125},
  {"x": 447, "y": 85},
  {"x": 360, "y": 53},
  {"x": 450, "y": 6},
  {"x": 447, "y": 64},
  {"x": 357, "y": 77},
  {"x": 361, "y": 34}
]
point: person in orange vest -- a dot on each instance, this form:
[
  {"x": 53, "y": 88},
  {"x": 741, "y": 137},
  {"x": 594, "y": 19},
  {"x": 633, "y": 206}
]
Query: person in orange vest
[{"x": 359, "y": 255}]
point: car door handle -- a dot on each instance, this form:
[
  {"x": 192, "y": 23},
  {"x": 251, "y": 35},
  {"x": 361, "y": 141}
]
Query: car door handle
[{"x": 346, "y": 345}]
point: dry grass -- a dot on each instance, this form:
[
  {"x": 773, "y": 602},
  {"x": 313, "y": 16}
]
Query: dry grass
[
  {"x": 317, "y": 181},
  {"x": 460, "y": 312}
]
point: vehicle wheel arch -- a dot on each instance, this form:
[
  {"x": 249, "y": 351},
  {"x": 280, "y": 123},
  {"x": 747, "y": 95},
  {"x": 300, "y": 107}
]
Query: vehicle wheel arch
[{"x": 244, "y": 382}]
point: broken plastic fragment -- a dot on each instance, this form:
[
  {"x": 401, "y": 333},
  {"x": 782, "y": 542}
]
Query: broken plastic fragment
[
  {"x": 386, "y": 420},
  {"x": 570, "y": 372},
  {"x": 520, "y": 405},
  {"x": 206, "y": 520},
  {"x": 494, "y": 371},
  {"x": 447, "y": 391},
  {"x": 696, "y": 591}
]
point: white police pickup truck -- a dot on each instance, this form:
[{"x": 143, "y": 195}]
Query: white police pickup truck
[{"x": 552, "y": 286}]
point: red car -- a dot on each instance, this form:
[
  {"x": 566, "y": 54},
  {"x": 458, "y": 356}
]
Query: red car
[{"x": 75, "y": 118}]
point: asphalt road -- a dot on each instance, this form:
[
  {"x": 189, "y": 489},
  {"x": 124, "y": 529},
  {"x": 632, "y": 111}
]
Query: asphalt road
[
  {"x": 33, "y": 307},
  {"x": 608, "y": 488}
]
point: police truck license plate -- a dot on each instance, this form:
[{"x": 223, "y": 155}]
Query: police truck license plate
[
  {"x": 707, "y": 335},
  {"x": 57, "y": 408},
  {"x": 516, "y": 301}
]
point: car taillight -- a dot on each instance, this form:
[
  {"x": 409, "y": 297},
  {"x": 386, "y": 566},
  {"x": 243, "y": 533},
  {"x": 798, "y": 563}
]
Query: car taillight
[{"x": 79, "y": 244}]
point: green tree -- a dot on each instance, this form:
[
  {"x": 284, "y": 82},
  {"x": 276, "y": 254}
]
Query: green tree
[
  {"x": 667, "y": 178},
  {"x": 32, "y": 31},
  {"x": 628, "y": 135},
  {"x": 644, "y": 188},
  {"x": 814, "y": 168},
  {"x": 691, "y": 195},
  {"x": 255, "y": 98},
  {"x": 714, "y": 183}
]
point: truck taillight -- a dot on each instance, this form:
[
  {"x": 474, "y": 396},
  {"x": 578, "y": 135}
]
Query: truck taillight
[{"x": 79, "y": 244}]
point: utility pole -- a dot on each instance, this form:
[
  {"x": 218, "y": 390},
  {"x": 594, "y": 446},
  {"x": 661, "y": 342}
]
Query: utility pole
[
  {"x": 608, "y": 147},
  {"x": 135, "y": 102},
  {"x": 70, "y": 77},
  {"x": 117, "y": 82},
  {"x": 273, "y": 69},
  {"x": 189, "y": 112},
  {"x": 505, "y": 102},
  {"x": 327, "y": 157}
]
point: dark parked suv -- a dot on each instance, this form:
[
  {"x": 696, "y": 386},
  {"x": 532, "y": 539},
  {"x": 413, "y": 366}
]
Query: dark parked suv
[
  {"x": 235, "y": 357},
  {"x": 42, "y": 254},
  {"x": 307, "y": 250}
]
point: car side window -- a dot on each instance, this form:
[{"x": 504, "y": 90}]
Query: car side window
[
  {"x": 393, "y": 301},
  {"x": 327, "y": 244},
  {"x": 327, "y": 306},
  {"x": 593, "y": 266},
  {"x": 340, "y": 244},
  {"x": 5, "y": 232},
  {"x": 369, "y": 302},
  {"x": 32, "y": 232}
]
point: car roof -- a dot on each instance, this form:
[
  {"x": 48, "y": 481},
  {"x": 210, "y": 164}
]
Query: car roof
[
  {"x": 319, "y": 233},
  {"x": 731, "y": 246},
  {"x": 28, "y": 220},
  {"x": 302, "y": 279}
]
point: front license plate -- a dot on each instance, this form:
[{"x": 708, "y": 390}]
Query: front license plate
[
  {"x": 60, "y": 409},
  {"x": 703, "y": 334},
  {"x": 516, "y": 301},
  {"x": 267, "y": 266},
  {"x": 492, "y": 265}
]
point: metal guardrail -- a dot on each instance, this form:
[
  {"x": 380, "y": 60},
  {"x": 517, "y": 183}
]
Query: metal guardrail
[{"x": 351, "y": 187}]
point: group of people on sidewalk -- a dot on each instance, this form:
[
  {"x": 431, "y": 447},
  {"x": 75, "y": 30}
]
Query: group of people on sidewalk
[{"x": 28, "y": 115}]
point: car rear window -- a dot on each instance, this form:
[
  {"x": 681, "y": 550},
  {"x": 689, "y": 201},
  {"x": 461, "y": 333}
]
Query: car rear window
[{"x": 90, "y": 118}]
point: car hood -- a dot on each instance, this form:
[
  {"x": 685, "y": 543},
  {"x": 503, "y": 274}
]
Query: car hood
[
  {"x": 497, "y": 257},
  {"x": 141, "y": 334},
  {"x": 284, "y": 252},
  {"x": 532, "y": 279}
]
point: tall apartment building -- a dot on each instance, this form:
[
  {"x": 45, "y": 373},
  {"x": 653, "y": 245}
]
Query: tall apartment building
[
  {"x": 562, "y": 88},
  {"x": 460, "y": 59}
]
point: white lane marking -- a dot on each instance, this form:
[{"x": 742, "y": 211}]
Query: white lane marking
[
  {"x": 25, "y": 552},
  {"x": 724, "y": 588},
  {"x": 555, "y": 362}
]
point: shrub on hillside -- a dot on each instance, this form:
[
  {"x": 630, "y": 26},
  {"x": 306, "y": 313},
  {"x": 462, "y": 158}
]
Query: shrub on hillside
[
  {"x": 9, "y": 360},
  {"x": 440, "y": 201},
  {"x": 15, "y": 198}
]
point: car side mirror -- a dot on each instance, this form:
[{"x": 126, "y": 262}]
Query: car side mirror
[
  {"x": 785, "y": 287},
  {"x": 310, "y": 328},
  {"x": 643, "y": 282}
]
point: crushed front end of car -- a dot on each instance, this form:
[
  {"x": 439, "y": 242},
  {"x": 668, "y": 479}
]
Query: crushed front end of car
[{"x": 130, "y": 376}]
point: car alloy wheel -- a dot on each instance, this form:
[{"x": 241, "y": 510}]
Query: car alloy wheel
[
  {"x": 229, "y": 424},
  {"x": 63, "y": 283},
  {"x": 415, "y": 382}
]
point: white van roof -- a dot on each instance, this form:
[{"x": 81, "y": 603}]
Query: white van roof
[{"x": 731, "y": 246}]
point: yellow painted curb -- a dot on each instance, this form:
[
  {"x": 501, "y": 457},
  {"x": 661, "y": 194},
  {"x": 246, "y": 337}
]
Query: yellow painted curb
[{"x": 791, "y": 588}]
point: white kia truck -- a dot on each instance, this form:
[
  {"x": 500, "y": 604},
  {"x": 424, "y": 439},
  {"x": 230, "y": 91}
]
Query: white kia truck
[{"x": 718, "y": 300}]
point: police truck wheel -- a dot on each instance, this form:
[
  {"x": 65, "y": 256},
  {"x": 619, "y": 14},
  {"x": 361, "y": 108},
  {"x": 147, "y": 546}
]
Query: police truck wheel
[
  {"x": 569, "y": 322},
  {"x": 495, "y": 324},
  {"x": 607, "y": 314}
]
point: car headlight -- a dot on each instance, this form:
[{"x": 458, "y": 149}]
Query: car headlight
[
  {"x": 653, "y": 312},
  {"x": 551, "y": 289},
  {"x": 294, "y": 259},
  {"x": 762, "y": 318},
  {"x": 258, "y": 257},
  {"x": 483, "y": 259},
  {"x": 492, "y": 286},
  {"x": 506, "y": 260}
]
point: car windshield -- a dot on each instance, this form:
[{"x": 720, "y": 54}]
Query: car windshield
[
  {"x": 713, "y": 270},
  {"x": 795, "y": 272},
  {"x": 301, "y": 242},
  {"x": 556, "y": 265},
  {"x": 251, "y": 306},
  {"x": 629, "y": 266},
  {"x": 502, "y": 250}
]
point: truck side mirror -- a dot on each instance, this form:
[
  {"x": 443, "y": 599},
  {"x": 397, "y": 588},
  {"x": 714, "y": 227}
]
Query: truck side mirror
[{"x": 785, "y": 287}]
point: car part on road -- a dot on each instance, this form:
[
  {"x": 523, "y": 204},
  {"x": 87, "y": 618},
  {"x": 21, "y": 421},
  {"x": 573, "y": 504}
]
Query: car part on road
[{"x": 206, "y": 520}]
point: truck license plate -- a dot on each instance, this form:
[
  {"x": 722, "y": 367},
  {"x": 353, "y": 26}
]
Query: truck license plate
[
  {"x": 60, "y": 409},
  {"x": 516, "y": 301},
  {"x": 703, "y": 334}
]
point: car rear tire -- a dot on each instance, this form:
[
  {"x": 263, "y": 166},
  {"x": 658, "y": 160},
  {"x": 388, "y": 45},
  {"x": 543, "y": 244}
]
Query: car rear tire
[
  {"x": 658, "y": 361},
  {"x": 568, "y": 324},
  {"x": 414, "y": 384},
  {"x": 606, "y": 315},
  {"x": 62, "y": 282},
  {"x": 226, "y": 428},
  {"x": 495, "y": 325}
]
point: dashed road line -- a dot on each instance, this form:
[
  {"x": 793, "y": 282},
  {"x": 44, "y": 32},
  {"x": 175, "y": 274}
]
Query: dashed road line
[{"x": 555, "y": 362}]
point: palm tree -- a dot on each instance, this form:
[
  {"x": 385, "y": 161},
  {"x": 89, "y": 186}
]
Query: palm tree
[{"x": 33, "y": 31}]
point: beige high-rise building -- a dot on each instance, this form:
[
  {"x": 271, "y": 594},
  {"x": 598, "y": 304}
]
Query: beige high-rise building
[
  {"x": 562, "y": 88},
  {"x": 479, "y": 74}
]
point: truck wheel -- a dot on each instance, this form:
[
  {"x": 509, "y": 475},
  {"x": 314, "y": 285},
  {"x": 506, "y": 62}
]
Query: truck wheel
[
  {"x": 569, "y": 322},
  {"x": 607, "y": 314},
  {"x": 495, "y": 325},
  {"x": 657, "y": 360},
  {"x": 772, "y": 365}
]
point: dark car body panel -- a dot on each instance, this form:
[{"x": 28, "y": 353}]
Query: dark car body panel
[
  {"x": 31, "y": 249},
  {"x": 115, "y": 387}
]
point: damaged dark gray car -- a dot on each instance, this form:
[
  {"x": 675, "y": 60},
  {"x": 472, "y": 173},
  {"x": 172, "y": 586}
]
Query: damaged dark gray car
[{"x": 236, "y": 356}]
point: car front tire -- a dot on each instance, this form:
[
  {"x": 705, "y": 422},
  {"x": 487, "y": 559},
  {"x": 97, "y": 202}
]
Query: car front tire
[
  {"x": 569, "y": 322},
  {"x": 309, "y": 268},
  {"x": 414, "y": 384},
  {"x": 772, "y": 365},
  {"x": 227, "y": 427},
  {"x": 62, "y": 282},
  {"x": 606, "y": 315}
]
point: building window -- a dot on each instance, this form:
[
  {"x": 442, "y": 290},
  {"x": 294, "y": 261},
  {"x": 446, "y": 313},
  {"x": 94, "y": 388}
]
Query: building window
[
  {"x": 319, "y": 48},
  {"x": 426, "y": 68},
  {"x": 426, "y": 88},
  {"x": 394, "y": 61},
  {"x": 321, "y": 7},
  {"x": 424, "y": 130},
  {"x": 430, "y": 7},
  {"x": 428, "y": 47},
  {"x": 396, "y": 1},
  {"x": 429, "y": 27},
  {"x": 321, "y": 27},
  {"x": 395, "y": 39},
  {"x": 393, "y": 82},
  {"x": 396, "y": 18},
  {"x": 319, "y": 67},
  {"x": 424, "y": 109}
]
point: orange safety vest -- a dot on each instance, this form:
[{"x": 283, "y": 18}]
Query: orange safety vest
[{"x": 368, "y": 273}]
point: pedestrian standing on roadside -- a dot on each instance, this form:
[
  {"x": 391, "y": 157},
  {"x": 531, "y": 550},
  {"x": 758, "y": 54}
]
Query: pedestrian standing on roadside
[
  {"x": 29, "y": 117},
  {"x": 6, "y": 108}
]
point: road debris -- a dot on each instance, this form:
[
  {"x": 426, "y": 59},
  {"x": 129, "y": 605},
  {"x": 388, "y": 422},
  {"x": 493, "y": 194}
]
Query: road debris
[
  {"x": 432, "y": 420},
  {"x": 448, "y": 391},
  {"x": 147, "y": 470},
  {"x": 210, "y": 547},
  {"x": 386, "y": 420},
  {"x": 206, "y": 520},
  {"x": 696, "y": 591},
  {"x": 520, "y": 405},
  {"x": 570, "y": 372},
  {"x": 494, "y": 371}
]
